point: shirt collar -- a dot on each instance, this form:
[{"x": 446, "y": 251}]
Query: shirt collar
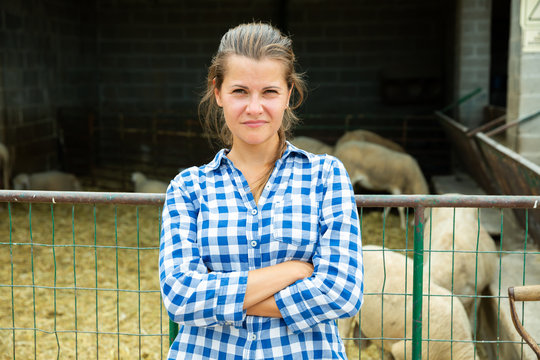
[{"x": 221, "y": 157}]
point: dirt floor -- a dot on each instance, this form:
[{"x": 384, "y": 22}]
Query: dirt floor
[
  {"x": 97, "y": 250},
  {"x": 48, "y": 250}
]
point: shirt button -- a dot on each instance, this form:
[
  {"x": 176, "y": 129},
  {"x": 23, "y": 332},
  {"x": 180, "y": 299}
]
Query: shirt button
[
  {"x": 254, "y": 243},
  {"x": 254, "y": 212},
  {"x": 253, "y": 336}
]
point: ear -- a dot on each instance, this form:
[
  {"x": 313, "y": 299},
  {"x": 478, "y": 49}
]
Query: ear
[
  {"x": 289, "y": 96},
  {"x": 217, "y": 93}
]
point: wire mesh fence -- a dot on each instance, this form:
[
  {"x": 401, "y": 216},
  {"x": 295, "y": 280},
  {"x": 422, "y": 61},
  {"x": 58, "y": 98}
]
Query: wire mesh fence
[{"x": 79, "y": 279}]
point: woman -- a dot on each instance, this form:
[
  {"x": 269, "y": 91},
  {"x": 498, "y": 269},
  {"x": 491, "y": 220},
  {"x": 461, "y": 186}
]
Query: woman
[{"x": 260, "y": 249}]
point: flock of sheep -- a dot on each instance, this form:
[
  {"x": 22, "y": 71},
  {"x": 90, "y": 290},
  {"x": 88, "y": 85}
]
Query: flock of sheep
[
  {"x": 373, "y": 162},
  {"x": 460, "y": 259},
  {"x": 459, "y": 264}
]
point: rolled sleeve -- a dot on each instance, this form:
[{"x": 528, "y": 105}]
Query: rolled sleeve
[
  {"x": 335, "y": 290},
  {"x": 190, "y": 293},
  {"x": 231, "y": 300}
]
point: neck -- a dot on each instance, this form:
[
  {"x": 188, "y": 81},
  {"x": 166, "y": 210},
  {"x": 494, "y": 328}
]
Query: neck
[{"x": 254, "y": 156}]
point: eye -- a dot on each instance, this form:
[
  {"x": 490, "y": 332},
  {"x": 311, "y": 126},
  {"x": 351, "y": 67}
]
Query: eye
[
  {"x": 271, "y": 92},
  {"x": 239, "y": 91}
]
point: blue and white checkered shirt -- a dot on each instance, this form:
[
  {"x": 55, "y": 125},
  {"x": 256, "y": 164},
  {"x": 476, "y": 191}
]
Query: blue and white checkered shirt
[{"x": 213, "y": 233}]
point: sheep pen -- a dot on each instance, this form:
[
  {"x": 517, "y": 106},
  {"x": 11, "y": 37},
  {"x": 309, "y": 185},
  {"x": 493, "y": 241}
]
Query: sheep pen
[
  {"x": 49, "y": 250},
  {"x": 86, "y": 277}
]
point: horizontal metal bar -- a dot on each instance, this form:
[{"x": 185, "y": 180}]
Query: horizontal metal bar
[
  {"x": 51, "y": 332},
  {"x": 70, "y": 288},
  {"x": 89, "y": 197},
  {"x": 487, "y": 125},
  {"x": 80, "y": 197},
  {"x": 482, "y": 201},
  {"x": 513, "y": 123}
]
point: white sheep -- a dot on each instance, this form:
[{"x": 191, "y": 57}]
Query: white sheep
[
  {"x": 387, "y": 313},
  {"x": 371, "y": 137},
  {"x": 453, "y": 260},
  {"x": 312, "y": 145},
  {"x": 4, "y": 165},
  {"x": 378, "y": 168},
  {"x": 145, "y": 185},
  {"x": 47, "y": 180}
]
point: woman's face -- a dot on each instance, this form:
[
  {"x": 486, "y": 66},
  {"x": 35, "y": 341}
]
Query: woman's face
[{"x": 254, "y": 96}]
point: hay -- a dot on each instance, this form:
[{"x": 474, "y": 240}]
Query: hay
[
  {"x": 377, "y": 230},
  {"x": 87, "y": 321},
  {"x": 108, "y": 322}
]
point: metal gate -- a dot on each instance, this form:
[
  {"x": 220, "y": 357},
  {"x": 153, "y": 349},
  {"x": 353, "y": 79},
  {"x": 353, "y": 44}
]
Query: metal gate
[{"x": 80, "y": 279}]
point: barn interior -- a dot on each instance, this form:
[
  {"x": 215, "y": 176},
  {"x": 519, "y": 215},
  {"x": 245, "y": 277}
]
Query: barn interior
[
  {"x": 104, "y": 88},
  {"x": 107, "y": 88}
]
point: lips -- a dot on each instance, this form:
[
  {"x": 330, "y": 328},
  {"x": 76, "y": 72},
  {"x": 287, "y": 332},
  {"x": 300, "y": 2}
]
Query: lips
[{"x": 254, "y": 123}]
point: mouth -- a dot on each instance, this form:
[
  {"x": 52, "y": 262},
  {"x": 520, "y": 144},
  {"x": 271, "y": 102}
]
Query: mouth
[{"x": 254, "y": 123}]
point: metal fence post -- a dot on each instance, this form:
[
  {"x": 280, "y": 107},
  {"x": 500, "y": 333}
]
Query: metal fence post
[
  {"x": 173, "y": 331},
  {"x": 418, "y": 263}
]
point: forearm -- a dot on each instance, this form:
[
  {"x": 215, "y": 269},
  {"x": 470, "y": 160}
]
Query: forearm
[
  {"x": 266, "y": 308},
  {"x": 265, "y": 282}
]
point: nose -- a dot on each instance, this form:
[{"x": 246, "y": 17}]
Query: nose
[{"x": 255, "y": 105}]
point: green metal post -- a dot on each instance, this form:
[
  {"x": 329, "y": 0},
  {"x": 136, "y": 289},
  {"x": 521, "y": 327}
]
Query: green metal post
[
  {"x": 462, "y": 99},
  {"x": 418, "y": 261},
  {"x": 173, "y": 331}
]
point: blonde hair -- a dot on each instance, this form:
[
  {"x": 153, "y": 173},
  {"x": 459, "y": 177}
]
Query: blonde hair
[{"x": 256, "y": 41}]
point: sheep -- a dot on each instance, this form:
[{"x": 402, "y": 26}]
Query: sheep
[
  {"x": 312, "y": 145},
  {"x": 371, "y": 137},
  {"x": 4, "y": 166},
  {"x": 453, "y": 261},
  {"x": 378, "y": 168},
  {"x": 444, "y": 318},
  {"x": 47, "y": 180},
  {"x": 144, "y": 185}
]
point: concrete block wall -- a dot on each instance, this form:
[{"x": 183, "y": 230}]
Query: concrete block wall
[
  {"x": 135, "y": 60},
  {"x": 153, "y": 56},
  {"x": 47, "y": 61},
  {"x": 351, "y": 49},
  {"x": 473, "y": 58},
  {"x": 523, "y": 95}
]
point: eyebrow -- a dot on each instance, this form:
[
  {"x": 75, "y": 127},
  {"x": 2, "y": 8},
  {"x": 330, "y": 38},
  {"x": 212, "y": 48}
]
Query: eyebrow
[{"x": 264, "y": 88}]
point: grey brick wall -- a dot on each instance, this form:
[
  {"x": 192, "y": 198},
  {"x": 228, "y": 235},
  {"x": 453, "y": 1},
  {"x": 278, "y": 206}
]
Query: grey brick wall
[
  {"x": 359, "y": 57},
  {"x": 523, "y": 91},
  {"x": 140, "y": 66},
  {"x": 473, "y": 58},
  {"x": 47, "y": 61}
]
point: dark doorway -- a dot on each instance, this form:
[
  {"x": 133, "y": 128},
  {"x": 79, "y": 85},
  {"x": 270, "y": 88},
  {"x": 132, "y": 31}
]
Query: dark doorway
[{"x": 500, "y": 34}]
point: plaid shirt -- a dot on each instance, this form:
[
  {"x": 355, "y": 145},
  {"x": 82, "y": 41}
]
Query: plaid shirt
[{"x": 213, "y": 233}]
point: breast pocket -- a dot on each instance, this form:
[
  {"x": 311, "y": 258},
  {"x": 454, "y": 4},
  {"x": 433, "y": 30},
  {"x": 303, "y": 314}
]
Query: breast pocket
[{"x": 295, "y": 222}]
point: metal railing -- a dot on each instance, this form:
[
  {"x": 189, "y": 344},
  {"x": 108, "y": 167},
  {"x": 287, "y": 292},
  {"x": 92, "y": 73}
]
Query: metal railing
[{"x": 13, "y": 198}]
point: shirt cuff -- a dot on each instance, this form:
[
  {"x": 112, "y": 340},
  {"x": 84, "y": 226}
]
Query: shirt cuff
[
  {"x": 291, "y": 305},
  {"x": 230, "y": 301}
]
